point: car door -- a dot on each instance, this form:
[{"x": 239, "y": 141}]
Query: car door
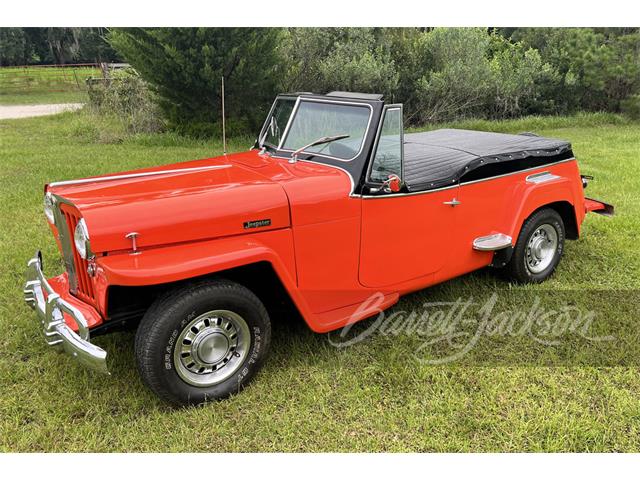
[{"x": 404, "y": 236}]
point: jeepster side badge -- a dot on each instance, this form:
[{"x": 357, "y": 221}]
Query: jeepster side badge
[{"x": 257, "y": 223}]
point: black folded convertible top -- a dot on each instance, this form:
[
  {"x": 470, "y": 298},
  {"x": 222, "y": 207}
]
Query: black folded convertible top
[{"x": 441, "y": 157}]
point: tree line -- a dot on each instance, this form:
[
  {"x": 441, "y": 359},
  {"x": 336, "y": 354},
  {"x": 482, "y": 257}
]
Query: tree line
[
  {"x": 54, "y": 46},
  {"x": 439, "y": 74}
]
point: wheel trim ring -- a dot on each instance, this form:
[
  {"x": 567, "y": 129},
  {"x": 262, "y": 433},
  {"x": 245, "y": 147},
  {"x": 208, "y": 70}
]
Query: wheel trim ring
[
  {"x": 541, "y": 248},
  {"x": 235, "y": 356}
]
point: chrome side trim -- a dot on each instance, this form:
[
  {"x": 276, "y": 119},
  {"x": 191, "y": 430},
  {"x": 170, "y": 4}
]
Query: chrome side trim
[
  {"x": 496, "y": 241},
  {"x": 410, "y": 194},
  {"x": 424, "y": 192},
  {"x": 541, "y": 177},
  {"x": 520, "y": 171},
  {"x": 51, "y": 310},
  {"x": 136, "y": 175}
]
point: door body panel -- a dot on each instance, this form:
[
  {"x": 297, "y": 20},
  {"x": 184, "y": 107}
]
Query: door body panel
[
  {"x": 404, "y": 237},
  {"x": 483, "y": 210}
]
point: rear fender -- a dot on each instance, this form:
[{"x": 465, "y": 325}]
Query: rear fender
[{"x": 538, "y": 196}]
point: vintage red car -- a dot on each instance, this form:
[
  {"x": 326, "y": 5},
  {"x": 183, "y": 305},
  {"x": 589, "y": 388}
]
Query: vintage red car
[{"x": 334, "y": 203}]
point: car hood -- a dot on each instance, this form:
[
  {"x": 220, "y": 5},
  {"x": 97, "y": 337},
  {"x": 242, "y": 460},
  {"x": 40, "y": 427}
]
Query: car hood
[{"x": 176, "y": 203}]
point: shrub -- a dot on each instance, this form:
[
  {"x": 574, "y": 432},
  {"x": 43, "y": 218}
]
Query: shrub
[
  {"x": 631, "y": 107},
  {"x": 456, "y": 81},
  {"x": 517, "y": 73},
  {"x": 439, "y": 74},
  {"x": 597, "y": 68},
  {"x": 326, "y": 59},
  {"x": 126, "y": 97}
]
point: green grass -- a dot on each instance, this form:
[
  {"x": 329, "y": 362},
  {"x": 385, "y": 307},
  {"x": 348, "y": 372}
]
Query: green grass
[
  {"x": 42, "y": 97},
  {"x": 310, "y": 396},
  {"x": 37, "y": 85}
]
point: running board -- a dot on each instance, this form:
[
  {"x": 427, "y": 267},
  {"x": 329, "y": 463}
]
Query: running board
[{"x": 497, "y": 241}]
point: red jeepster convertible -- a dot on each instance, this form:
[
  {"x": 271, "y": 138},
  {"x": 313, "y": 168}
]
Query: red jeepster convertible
[{"x": 333, "y": 203}]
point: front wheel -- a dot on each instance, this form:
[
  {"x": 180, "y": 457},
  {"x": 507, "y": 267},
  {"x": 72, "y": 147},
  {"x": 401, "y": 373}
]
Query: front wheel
[
  {"x": 202, "y": 342},
  {"x": 538, "y": 249}
]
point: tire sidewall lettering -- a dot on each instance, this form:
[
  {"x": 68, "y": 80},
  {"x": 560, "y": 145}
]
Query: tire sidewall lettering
[
  {"x": 158, "y": 338},
  {"x": 251, "y": 360}
]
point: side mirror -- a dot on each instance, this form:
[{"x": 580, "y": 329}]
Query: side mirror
[{"x": 392, "y": 184}]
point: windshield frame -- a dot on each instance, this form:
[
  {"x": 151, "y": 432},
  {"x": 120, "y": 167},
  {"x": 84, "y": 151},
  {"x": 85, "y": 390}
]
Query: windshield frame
[
  {"x": 356, "y": 168},
  {"x": 294, "y": 112},
  {"x": 376, "y": 143},
  {"x": 260, "y": 143}
]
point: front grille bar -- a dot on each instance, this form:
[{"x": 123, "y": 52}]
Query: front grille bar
[
  {"x": 65, "y": 235},
  {"x": 66, "y": 218}
]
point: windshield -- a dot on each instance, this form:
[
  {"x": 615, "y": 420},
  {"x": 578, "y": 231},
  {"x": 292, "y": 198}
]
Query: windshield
[{"x": 313, "y": 120}]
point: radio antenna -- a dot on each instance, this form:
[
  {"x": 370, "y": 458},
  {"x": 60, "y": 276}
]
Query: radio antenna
[{"x": 224, "y": 137}]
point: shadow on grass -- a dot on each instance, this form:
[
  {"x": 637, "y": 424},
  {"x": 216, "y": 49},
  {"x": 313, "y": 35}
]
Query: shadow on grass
[{"x": 610, "y": 339}]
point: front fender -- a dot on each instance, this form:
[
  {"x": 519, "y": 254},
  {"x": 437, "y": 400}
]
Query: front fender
[
  {"x": 188, "y": 260},
  {"x": 195, "y": 259}
]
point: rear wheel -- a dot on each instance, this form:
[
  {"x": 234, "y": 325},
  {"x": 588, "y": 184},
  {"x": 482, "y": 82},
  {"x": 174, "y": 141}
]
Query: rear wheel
[
  {"x": 202, "y": 342},
  {"x": 538, "y": 249}
]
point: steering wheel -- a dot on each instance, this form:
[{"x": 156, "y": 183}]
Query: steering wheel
[{"x": 341, "y": 151}]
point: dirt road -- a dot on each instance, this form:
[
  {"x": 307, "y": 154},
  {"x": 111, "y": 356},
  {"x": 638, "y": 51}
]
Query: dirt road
[{"x": 24, "y": 111}]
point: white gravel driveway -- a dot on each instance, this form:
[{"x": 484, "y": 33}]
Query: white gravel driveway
[{"x": 24, "y": 111}]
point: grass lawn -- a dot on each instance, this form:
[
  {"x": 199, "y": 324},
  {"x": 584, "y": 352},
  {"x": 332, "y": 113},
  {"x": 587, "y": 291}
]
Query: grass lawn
[
  {"x": 507, "y": 394},
  {"x": 42, "y": 97},
  {"x": 38, "y": 85}
]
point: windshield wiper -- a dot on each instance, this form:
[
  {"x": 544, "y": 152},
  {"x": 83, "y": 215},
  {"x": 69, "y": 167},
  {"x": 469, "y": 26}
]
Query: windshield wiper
[{"x": 319, "y": 141}]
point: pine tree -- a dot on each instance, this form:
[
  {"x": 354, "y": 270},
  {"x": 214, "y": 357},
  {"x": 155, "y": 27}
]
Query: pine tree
[{"x": 185, "y": 65}]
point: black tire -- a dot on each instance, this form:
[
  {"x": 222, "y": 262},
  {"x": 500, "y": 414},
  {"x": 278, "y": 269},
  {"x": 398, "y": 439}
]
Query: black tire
[
  {"x": 518, "y": 268},
  {"x": 169, "y": 319}
]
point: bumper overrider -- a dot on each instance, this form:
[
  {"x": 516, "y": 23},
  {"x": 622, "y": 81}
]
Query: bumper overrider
[{"x": 50, "y": 308}]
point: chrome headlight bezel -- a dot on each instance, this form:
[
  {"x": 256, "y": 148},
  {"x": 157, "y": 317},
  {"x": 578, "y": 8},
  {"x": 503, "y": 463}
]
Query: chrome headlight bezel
[
  {"x": 81, "y": 239},
  {"x": 49, "y": 204}
]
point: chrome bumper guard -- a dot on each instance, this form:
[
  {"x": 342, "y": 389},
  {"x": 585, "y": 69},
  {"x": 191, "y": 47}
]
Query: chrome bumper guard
[{"x": 51, "y": 314}]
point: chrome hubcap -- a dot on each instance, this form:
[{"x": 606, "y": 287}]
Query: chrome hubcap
[
  {"x": 211, "y": 348},
  {"x": 541, "y": 248}
]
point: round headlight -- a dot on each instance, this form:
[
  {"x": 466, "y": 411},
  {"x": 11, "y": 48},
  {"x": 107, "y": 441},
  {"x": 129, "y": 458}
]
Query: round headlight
[
  {"x": 81, "y": 238},
  {"x": 49, "y": 204}
]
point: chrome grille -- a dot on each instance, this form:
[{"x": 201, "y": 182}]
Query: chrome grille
[{"x": 79, "y": 280}]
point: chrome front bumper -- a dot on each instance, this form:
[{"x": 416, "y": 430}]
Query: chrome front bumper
[{"x": 51, "y": 312}]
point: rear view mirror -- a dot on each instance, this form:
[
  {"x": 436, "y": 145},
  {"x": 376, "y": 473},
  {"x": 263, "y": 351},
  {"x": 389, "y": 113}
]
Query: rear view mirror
[{"x": 393, "y": 184}]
